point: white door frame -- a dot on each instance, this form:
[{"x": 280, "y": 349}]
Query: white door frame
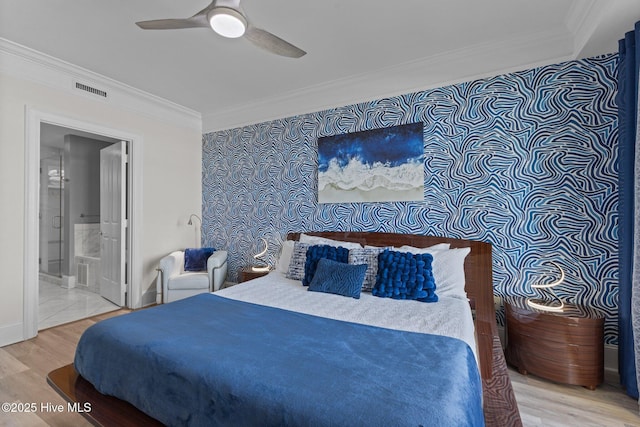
[{"x": 33, "y": 119}]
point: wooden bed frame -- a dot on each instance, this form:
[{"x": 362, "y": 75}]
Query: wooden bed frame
[{"x": 500, "y": 407}]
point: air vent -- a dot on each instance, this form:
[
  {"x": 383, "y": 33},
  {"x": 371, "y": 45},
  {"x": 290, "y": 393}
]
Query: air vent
[
  {"x": 90, "y": 89},
  {"x": 82, "y": 277}
]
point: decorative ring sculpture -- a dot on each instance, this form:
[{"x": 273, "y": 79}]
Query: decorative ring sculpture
[
  {"x": 262, "y": 265},
  {"x": 556, "y": 303}
]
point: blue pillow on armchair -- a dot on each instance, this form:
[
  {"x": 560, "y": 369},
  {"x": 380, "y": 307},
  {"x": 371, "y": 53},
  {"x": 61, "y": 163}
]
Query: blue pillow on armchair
[
  {"x": 338, "y": 278},
  {"x": 196, "y": 259},
  {"x": 316, "y": 252},
  {"x": 403, "y": 275}
]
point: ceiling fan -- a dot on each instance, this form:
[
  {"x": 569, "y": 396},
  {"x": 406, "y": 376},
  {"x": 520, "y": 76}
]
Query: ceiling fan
[{"x": 227, "y": 18}]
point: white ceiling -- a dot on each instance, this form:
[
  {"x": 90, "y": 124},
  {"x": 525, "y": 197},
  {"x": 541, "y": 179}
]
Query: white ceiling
[{"x": 358, "y": 50}]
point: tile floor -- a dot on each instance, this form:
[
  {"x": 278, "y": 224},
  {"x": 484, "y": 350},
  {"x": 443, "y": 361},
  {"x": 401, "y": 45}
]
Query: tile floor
[{"x": 58, "y": 305}]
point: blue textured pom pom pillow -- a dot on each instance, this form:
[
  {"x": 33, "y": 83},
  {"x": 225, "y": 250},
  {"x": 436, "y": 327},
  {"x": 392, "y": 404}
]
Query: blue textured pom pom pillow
[
  {"x": 403, "y": 275},
  {"x": 317, "y": 252},
  {"x": 196, "y": 259},
  {"x": 338, "y": 278}
]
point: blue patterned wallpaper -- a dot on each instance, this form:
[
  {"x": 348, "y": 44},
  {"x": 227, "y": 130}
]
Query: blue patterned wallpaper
[{"x": 526, "y": 161}]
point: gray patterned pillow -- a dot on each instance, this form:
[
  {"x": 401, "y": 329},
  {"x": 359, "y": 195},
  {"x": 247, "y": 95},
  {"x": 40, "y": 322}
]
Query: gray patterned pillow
[
  {"x": 367, "y": 256},
  {"x": 298, "y": 259}
]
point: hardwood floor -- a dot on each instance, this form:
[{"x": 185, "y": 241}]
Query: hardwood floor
[
  {"x": 23, "y": 370},
  {"x": 544, "y": 403},
  {"x": 24, "y": 366}
]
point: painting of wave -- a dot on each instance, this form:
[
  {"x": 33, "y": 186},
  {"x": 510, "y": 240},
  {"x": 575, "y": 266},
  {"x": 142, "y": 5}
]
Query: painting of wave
[{"x": 379, "y": 165}]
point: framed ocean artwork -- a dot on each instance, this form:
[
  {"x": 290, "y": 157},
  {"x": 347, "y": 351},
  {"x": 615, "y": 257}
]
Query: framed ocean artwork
[{"x": 378, "y": 165}]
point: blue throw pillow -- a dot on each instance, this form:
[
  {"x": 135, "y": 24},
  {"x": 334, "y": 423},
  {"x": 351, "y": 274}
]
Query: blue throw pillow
[
  {"x": 338, "y": 278},
  {"x": 316, "y": 252},
  {"x": 403, "y": 275},
  {"x": 196, "y": 259},
  {"x": 367, "y": 256},
  {"x": 298, "y": 259}
]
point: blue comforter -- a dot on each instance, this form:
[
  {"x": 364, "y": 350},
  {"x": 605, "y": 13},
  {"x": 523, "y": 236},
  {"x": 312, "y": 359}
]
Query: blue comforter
[{"x": 213, "y": 361}]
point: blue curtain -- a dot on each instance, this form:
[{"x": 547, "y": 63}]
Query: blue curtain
[{"x": 629, "y": 191}]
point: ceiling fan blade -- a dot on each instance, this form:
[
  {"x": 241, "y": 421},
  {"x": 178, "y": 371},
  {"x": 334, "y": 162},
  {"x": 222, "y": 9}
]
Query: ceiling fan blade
[
  {"x": 195, "y": 21},
  {"x": 272, "y": 43}
]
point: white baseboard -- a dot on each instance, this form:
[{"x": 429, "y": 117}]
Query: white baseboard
[
  {"x": 11, "y": 334},
  {"x": 68, "y": 282},
  {"x": 611, "y": 358},
  {"x": 503, "y": 338},
  {"x": 149, "y": 297}
]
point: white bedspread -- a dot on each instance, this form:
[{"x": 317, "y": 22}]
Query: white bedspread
[{"x": 449, "y": 316}]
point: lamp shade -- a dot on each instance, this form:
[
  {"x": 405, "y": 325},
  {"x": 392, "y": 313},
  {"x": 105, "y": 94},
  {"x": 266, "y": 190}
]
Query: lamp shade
[
  {"x": 191, "y": 219},
  {"x": 227, "y": 22}
]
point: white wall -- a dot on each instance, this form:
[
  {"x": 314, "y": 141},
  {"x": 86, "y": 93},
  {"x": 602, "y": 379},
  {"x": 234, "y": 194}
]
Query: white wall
[
  {"x": 81, "y": 194},
  {"x": 171, "y": 173}
]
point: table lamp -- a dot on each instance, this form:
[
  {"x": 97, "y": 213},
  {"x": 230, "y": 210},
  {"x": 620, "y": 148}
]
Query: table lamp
[
  {"x": 555, "y": 304},
  {"x": 262, "y": 265}
]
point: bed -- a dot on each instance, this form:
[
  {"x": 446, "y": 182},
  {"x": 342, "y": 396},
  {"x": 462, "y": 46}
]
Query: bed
[{"x": 270, "y": 353}]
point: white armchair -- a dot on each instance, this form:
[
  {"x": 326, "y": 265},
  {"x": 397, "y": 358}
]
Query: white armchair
[{"x": 178, "y": 284}]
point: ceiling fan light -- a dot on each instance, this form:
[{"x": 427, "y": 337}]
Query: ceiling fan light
[{"x": 227, "y": 22}]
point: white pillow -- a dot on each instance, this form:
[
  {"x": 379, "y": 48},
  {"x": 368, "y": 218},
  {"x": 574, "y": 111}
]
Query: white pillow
[
  {"x": 448, "y": 272},
  {"x": 414, "y": 250},
  {"x": 316, "y": 240},
  {"x": 448, "y": 269},
  {"x": 285, "y": 256}
]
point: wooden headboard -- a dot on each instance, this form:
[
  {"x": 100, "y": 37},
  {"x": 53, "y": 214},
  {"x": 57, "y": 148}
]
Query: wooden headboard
[{"x": 478, "y": 278}]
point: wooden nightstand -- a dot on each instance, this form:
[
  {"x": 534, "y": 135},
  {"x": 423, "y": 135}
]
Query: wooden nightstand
[
  {"x": 247, "y": 274},
  {"x": 566, "y": 347}
]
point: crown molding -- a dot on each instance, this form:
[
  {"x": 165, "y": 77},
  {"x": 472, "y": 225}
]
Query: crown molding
[
  {"x": 601, "y": 24},
  {"x": 583, "y": 19},
  {"x": 28, "y": 64},
  {"x": 471, "y": 63}
]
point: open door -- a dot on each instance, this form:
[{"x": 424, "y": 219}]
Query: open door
[{"x": 113, "y": 222}]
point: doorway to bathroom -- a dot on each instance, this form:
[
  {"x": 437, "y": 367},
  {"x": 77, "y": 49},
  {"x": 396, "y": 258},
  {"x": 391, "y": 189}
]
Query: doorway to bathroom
[
  {"x": 73, "y": 199},
  {"x": 130, "y": 268}
]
